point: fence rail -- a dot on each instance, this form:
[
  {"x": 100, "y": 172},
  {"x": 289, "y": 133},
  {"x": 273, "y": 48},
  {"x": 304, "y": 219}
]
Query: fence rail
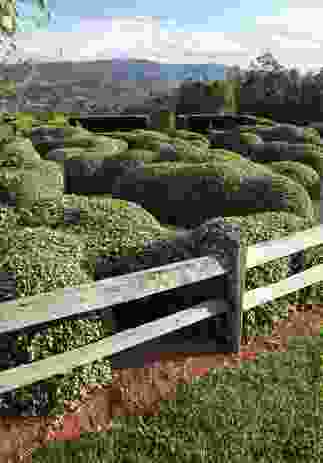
[{"x": 65, "y": 303}]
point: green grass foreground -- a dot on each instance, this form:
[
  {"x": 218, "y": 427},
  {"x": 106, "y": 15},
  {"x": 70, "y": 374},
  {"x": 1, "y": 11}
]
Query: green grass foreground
[{"x": 267, "y": 410}]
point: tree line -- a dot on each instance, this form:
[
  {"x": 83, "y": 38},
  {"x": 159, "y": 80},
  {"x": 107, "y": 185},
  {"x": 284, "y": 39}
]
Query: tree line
[{"x": 265, "y": 89}]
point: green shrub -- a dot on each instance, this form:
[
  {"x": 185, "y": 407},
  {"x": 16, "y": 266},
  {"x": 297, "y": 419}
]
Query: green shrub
[
  {"x": 145, "y": 134},
  {"x": 138, "y": 154},
  {"x": 163, "y": 120},
  {"x": 19, "y": 152},
  {"x": 250, "y": 138},
  {"x": 7, "y": 133},
  {"x": 189, "y": 136},
  {"x": 218, "y": 154},
  {"x": 129, "y": 137},
  {"x": 312, "y": 135},
  {"x": 300, "y": 173},
  {"x": 265, "y": 121}
]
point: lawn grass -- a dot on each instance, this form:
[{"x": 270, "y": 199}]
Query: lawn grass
[{"x": 265, "y": 411}]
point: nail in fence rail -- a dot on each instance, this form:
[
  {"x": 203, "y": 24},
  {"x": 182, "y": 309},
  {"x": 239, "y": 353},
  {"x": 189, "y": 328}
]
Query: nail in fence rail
[{"x": 36, "y": 311}]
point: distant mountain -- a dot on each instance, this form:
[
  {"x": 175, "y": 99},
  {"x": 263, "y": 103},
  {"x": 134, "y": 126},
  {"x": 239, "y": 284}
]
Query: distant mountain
[
  {"x": 140, "y": 70},
  {"x": 119, "y": 69},
  {"x": 105, "y": 84}
]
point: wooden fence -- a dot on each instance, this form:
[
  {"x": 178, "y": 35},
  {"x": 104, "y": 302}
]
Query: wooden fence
[{"x": 42, "y": 310}]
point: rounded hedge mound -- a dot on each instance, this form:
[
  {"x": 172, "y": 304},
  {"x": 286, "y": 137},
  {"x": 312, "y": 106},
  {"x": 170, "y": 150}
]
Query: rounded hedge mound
[
  {"x": 19, "y": 153},
  {"x": 276, "y": 192},
  {"x": 195, "y": 185},
  {"x": 189, "y": 136},
  {"x": 300, "y": 173},
  {"x": 152, "y": 134},
  {"x": 317, "y": 126},
  {"x": 138, "y": 154},
  {"x": 250, "y": 138},
  {"x": 44, "y": 182},
  {"x": 218, "y": 154},
  {"x": 42, "y": 261},
  {"x": 128, "y": 136},
  {"x": 306, "y": 153},
  {"x": 187, "y": 152},
  {"x": 7, "y": 132},
  {"x": 289, "y": 133},
  {"x": 61, "y": 154}
]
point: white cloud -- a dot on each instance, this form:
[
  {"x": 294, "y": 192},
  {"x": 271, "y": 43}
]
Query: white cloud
[
  {"x": 295, "y": 37},
  {"x": 286, "y": 42},
  {"x": 297, "y": 20}
]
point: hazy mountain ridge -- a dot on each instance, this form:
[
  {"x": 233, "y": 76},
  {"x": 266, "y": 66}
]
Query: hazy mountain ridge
[
  {"x": 119, "y": 69},
  {"x": 104, "y": 85}
]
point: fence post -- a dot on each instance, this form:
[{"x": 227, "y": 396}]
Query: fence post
[
  {"x": 226, "y": 247},
  {"x": 235, "y": 288}
]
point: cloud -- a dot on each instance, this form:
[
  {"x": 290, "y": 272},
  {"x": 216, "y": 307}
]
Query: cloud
[
  {"x": 295, "y": 38},
  {"x": 286, "y": 43},
  {"x": 296, "y": 20}
]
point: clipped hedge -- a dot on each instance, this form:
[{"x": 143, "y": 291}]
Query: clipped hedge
[
  {"x": 191, "y": 189},
  {"x": 300, "y": 173}
]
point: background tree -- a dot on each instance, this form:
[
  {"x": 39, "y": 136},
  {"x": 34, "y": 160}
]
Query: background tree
[
  {"x": 264, "y": 87},
  {"x": 202, "y": 97},
  {"x": 9, "y": 14},
  {"x": 11, "y": 21},
  {"x": 267, "y": 63}
]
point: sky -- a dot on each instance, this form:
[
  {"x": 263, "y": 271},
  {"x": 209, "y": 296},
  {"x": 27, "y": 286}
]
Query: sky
[{"x": 229, "y": 32}]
